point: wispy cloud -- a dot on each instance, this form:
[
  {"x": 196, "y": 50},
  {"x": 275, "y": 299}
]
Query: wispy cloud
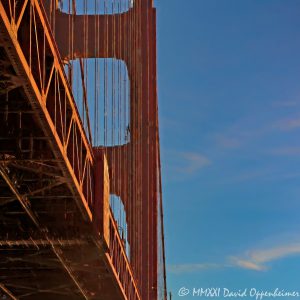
[
  {"x": 191, "y": 268},
  {"x": 182, "y": 165},
  {"x": 288, "y": 124},
  {"x": 250, "y": 175},
  {"x": 245, "y": 264},
  {"x": 192, "y": 162},
  {"x": 266, "y": 255},
  {"x": 266, "y": 173},
  {"x": 285, "y": 151},
  {"x": 244, "y": 132},
  {"x": 286, "y": 103},
  {"x": 228, "y": 142},
  {"x": 257, "y": 259}
]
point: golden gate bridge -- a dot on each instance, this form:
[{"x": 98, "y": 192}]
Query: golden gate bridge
[{"x": 80, "y": 180}]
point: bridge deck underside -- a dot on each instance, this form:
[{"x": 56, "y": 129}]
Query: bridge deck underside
[{"x": 54, "y": 269}]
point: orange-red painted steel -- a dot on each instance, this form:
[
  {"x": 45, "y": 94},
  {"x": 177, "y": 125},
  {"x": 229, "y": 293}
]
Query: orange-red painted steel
[{"x": 134, "y": 168}]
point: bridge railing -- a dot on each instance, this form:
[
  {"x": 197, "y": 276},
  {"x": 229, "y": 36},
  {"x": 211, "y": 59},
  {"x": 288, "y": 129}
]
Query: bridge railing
[
  {"x": 36, "y": 56},
  {"x": 107, "y": 227},
  {"x": 118, "y": 259}
]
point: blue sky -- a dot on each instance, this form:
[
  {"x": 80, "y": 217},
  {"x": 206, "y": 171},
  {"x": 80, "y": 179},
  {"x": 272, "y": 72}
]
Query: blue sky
[{"x": 229, "y": 92}]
